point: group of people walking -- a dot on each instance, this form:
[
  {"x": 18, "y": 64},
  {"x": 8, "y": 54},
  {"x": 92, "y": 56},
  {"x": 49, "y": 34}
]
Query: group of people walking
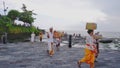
[
  {"x": 33, "y": 37},
  {"x": 91, "y": 47},
  {"x": 53, "y": 40},
  {"x": 54, "y": 37}
]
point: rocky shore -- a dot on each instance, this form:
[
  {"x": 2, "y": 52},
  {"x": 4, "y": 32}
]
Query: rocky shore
[{"x": 27, "y": 55}]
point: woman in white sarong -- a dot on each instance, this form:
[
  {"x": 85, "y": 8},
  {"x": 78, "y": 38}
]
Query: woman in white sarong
[{"x": 32, "y": 37}]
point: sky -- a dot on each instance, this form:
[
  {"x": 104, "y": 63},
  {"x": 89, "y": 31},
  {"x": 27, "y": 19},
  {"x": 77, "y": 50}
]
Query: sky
[{"x": 71, "y": 14}]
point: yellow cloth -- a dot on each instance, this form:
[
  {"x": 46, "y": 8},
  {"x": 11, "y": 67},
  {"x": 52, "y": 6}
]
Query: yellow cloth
[
  {"x": 89, "y": 57},
  {"x": 51, "y": 52}
]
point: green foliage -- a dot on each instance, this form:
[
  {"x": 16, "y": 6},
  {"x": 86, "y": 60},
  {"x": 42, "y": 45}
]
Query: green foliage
[
  {"x": 7, "y": 26},
  {"x": 26, "y": 17},
  {"x": 13, "y": 14},
  {"x": 17, "y": 31},
  {"x": 21, "y": 29},
  {"x": 5, "y": 22}
]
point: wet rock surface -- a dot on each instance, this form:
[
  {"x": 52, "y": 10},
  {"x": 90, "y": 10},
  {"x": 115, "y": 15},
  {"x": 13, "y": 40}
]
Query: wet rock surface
[{"x": 27, "y": 55}]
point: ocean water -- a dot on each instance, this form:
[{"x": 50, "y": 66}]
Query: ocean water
[
  {"x": 102, "y": 46},
  {"x": 106, "y": 34},
  {"x": 111, "y": 34},
  {"x": 113, "y": 46}
]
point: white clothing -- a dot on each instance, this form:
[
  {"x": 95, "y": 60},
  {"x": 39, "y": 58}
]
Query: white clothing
[
  {"x": 90, "y": 40},
  {"x": 49, "y": 46},
  {"x": 50, "y": 40},
  {"x": 32, "y": 37},
  {"x": 57, "y": 41}
]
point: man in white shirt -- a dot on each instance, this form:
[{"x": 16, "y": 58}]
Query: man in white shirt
[{"x": 50, "y": 42}]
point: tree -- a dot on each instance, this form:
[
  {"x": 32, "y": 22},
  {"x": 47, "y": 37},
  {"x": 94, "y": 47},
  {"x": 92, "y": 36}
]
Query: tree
[
  {"x": 26, "y": 17},
  {"x": 5, "y": 22},
  {"x": 13, "y": 14},
  {"x": 24, "y": 8}
]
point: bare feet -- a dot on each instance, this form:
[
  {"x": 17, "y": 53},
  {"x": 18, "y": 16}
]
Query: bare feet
[
  {"x": 79, "y": 64},
  {"x": 50, "y": 55},
  {"x": 96, "y": 61}
]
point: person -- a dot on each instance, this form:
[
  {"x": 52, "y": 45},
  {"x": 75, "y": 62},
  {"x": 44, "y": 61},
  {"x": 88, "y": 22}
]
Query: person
[
  {"x": 57, "y": 39},
  {"x": 32, "y": 37},
  {"x": 90, "y": 50},
  {"x": 41, "y": 36},
  {"x": 5, "y": 34},
  {"x": 50, "y": 42},
  {"x": 4, "y": 38}
]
